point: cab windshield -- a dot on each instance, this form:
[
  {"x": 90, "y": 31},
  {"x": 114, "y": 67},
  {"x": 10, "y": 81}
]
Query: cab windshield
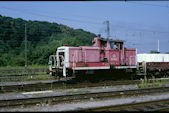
[{"x": 111, "y": 45}]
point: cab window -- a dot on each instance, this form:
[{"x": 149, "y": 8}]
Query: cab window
[{"x": 111, "y": 45}]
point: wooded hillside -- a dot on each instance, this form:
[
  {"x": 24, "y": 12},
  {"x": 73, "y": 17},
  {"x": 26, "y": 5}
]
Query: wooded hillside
[{"x": 43, "y": 39}]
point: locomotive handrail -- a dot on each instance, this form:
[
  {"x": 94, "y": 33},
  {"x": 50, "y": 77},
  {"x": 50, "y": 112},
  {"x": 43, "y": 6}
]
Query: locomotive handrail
[
  {"x": 62, "y": 59},
  {"x": 63, "y": 65},
  {"x": 50, "y": 60},
  {"x": 50, "y": 63},
  {"x": 85, "y": 56}
]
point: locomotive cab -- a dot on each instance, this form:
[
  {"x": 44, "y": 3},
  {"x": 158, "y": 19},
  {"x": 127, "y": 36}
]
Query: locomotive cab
[
  {"x": 108, "y": 43},
  {"x": 62, "y": 60},
  {"x": 59, "y": 63}
]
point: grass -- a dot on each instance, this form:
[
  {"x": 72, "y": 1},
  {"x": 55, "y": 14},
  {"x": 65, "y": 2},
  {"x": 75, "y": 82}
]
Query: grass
[
  {"x": 21, "y": 73},
  {"x": 29, "y": 77},
  {"x": 23, "y": 67},
  {"x": 153, "y": 82},
  {"x": 63, "y": 86},
  {"x": 38, "y": 77},
  {"x": 18, "y": 70}
]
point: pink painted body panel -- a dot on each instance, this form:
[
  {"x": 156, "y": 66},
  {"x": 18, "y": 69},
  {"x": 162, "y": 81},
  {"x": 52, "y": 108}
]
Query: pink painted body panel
[
  {"x": 114, "y": 57},
  {"x": 90, "y": 64},
  {"x": 84, "y": 54},
  {"x": 130, "y": 56},
  {"x": 99, "y": 56}
]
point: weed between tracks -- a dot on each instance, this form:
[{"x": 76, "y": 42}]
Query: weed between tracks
[{"x": 153, "y": 82}]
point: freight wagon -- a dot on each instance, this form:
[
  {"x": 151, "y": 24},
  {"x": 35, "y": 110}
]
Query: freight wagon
[{"x": 153, "y": 64}]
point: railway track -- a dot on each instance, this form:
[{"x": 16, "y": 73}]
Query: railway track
[
  {"x": 55, "y": 84},
  {"x": 156, "y": 105},
  {"x": 57, "y": 99}
]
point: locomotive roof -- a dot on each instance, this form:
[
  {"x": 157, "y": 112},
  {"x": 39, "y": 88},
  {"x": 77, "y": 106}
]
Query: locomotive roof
[{"x": 111, "y": 40}]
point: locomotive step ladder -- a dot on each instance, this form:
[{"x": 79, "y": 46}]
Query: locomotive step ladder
[{"x": 141, "y": 68}]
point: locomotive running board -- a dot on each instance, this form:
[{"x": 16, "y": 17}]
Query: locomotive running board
[
  {"x": 89, "y": 68},
  {"x": 124, "y": 67}
]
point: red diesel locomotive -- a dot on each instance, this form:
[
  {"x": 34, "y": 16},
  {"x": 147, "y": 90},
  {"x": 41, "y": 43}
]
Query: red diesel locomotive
[{"x": 105, "y": 56}]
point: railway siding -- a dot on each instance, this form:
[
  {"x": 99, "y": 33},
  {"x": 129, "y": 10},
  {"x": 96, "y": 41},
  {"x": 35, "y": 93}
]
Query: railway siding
[
  {"x": 60, "y": 97},
  {"x": 121, "y": 89}
]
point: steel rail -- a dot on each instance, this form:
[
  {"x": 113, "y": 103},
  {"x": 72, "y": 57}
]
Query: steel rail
[
  {"x": 74, "y": 97},
  {"x": 155, "y": 105},
  {"x": 40, "y": 85},
  {"x": 55, "y": 84}
]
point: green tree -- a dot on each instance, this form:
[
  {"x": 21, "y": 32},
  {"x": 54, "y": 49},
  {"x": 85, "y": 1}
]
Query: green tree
[{"x": 154, "y": 51}]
